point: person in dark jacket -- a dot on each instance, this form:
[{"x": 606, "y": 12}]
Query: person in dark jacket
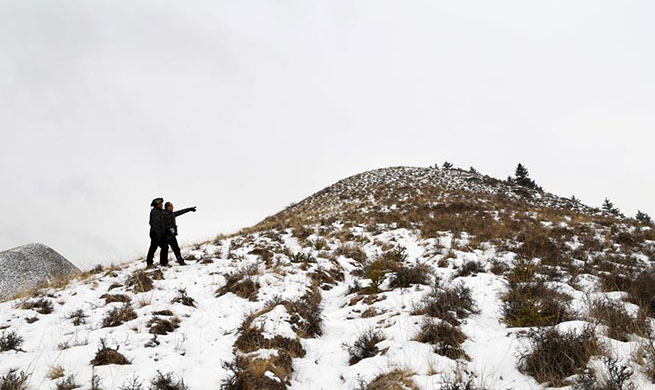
[
  {"x": 157, "y": 237},
  {"x": 170, "y": 228}
]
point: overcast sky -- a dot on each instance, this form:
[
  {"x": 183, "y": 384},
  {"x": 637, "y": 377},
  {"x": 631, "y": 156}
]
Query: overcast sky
[{"x": 241, "y": 107}]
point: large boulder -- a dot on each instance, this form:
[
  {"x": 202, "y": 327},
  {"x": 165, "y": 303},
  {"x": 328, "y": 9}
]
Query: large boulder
[{"x": 29, "y": 266}]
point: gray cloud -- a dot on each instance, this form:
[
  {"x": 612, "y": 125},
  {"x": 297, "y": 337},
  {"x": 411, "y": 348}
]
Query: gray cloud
[{"x": 240, "y": 107}]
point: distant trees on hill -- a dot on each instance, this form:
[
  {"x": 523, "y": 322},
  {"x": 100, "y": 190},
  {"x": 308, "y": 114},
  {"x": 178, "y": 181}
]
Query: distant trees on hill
[
  {"x": 522, "y": 178},
  {"x": 609, "y": 208},
  {"x": 643, "y": 217}
]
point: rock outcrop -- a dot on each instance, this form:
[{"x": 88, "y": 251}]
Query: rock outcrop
[{"x": 30, "y": 265}]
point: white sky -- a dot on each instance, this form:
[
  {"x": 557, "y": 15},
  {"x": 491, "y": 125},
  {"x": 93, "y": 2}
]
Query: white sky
[{"x": 241, "y": 107}]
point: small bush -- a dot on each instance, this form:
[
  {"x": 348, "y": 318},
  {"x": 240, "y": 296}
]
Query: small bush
[
  {"x": 306, "y": 314},
  {"x": 241, "y": 284},
  {"x": 106, "y": 355},
  {"x": 68, "y": 383},
  {"x": 167, "y": 382},
  {"x": 642, "y": 291},
  {"x": 252, "y": 339},
  {"x": 118, "y": 316},
  {"x": 352, "y": 251},
  {"x": 132, "y": 384},
  {"x": 183, "y": 298},
  {"x": 446, "y": 339},
  {"x": 111, "y": 298},
  {"x": 451, "y": 305},
  {"x": 556, "y": 355},
  {"x": 10, "y": 340},
  {"x": 534, "y": 304},
  {"x": 620, "y": 324},
  {"x": 55, "y": 372},
  {"x": 470, "y": 268},
  {"x": 140, "y": 282},
  {"x": 244, "y": 375},
  {"x": 78, "y": 317},
  {"x": 407, "y": 276},
  {"x": 163, "y": 326},
  {"x": 617, "y": 377},
  {"x": 14, "y": 380},
  {"x": 41, "y": 306},
  {"x": 395, "y": 380},
  {"x": 365, "y": 346}
]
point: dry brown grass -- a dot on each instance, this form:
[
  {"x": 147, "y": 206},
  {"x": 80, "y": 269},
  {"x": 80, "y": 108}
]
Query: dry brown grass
[
  {"x": 162, "y": 326},
  {"x": 242, "y": 283},
  {"x": 55, "y": 372},
  {"x": 365, "y": 346},
  {"x": 112, "y": 298},
  {"x": 445, "y": 338},
  {"x": 450, "y": 304},
  {"x": 394, "y": 380},
  {"x": 140, "y": 281},
  {"x": 118, "y": 316},
  {"x": 106, "y": 355},
  {"x": 555, "y": 356},
  {"x": 620, "y": 324}
]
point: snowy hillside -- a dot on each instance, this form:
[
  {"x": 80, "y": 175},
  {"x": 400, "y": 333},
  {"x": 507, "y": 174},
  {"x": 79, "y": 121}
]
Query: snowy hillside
[{"x": 401, "y": 278}]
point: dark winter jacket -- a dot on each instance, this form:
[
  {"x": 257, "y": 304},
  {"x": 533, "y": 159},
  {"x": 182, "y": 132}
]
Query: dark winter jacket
[
  {"x": 169, "y": 220},
  {"x": 157, "y": 222}
]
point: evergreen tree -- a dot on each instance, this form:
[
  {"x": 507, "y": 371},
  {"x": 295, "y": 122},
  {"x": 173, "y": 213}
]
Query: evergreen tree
[
  {"x": 522, "y": 178},
  {"x": 574, "y": 199},
  {"x": 643, "y": 217},
  {"x": 473, "y": 170},
  {"x": 447, "y": 165},
  {"x": 609, "y": 208}
]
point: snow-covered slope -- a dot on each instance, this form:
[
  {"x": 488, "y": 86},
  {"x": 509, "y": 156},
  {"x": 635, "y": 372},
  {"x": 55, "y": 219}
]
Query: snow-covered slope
[
  {"x": 27, "y": 266},
  {"x": 437, "y": 280}
]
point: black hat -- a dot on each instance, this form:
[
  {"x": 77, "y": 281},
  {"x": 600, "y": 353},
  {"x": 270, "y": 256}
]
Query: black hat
[{"x": 156, "y": 201}]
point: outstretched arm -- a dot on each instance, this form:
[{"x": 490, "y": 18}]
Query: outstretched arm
[{"x": 184, "y": 211}]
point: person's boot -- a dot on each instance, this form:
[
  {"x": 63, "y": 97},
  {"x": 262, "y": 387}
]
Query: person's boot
[
  {"x": 181, "y": 262},
  {"x": 150, "y": 266}
]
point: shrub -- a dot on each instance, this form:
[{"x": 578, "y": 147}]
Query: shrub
[
  {"x": 132, "y": 384},
  {"x": 534, "y": 304},
  {"x": 306, "y": 314},
  {"x": 78, "y": 317},
  {"x": 10, "y": 340},
  {"x": 163, "y": 326},
  {"x": 617, "y": 377},
  {"x": 183, "y": 298},
  {"x": 118, "y": 315},
  {"x": 68, "y": 383},
  {"x": 244, "y": 375},
  {"x": 619, "y": 323},
  {"x": 111, "y": 298},
  {"x": 446, "y": 339},
  {"x": 55, "y": 372},
  {"x": 642, "y": 291},
  {"x": 14, "y": 380},
  {"x": 451, "y": 305},
  {"x": 106, "y": 355},
  {"x": 352, "y": 251},
  {"x": 407, "y": 276},
  {"x": 42, "y": 306},
  {"x": 365, "y": 346},
  {"x": 167, "y": 382},
  {"x": 470, "y": 268},
  {"x": 556, "y": 355},
  {"x": 395, "y": 380},
  {"x": 241, "y": 284},
  {"x": 139, "y": 281}
]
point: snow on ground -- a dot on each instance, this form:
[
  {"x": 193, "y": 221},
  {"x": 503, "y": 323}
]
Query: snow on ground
[{"x": 207, "y": 332}]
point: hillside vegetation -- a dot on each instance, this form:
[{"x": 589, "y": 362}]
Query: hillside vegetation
[{"x": 397, "y": 278}]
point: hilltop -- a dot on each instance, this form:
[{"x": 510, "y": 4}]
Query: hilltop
[{"x": 397, "y": 278}]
